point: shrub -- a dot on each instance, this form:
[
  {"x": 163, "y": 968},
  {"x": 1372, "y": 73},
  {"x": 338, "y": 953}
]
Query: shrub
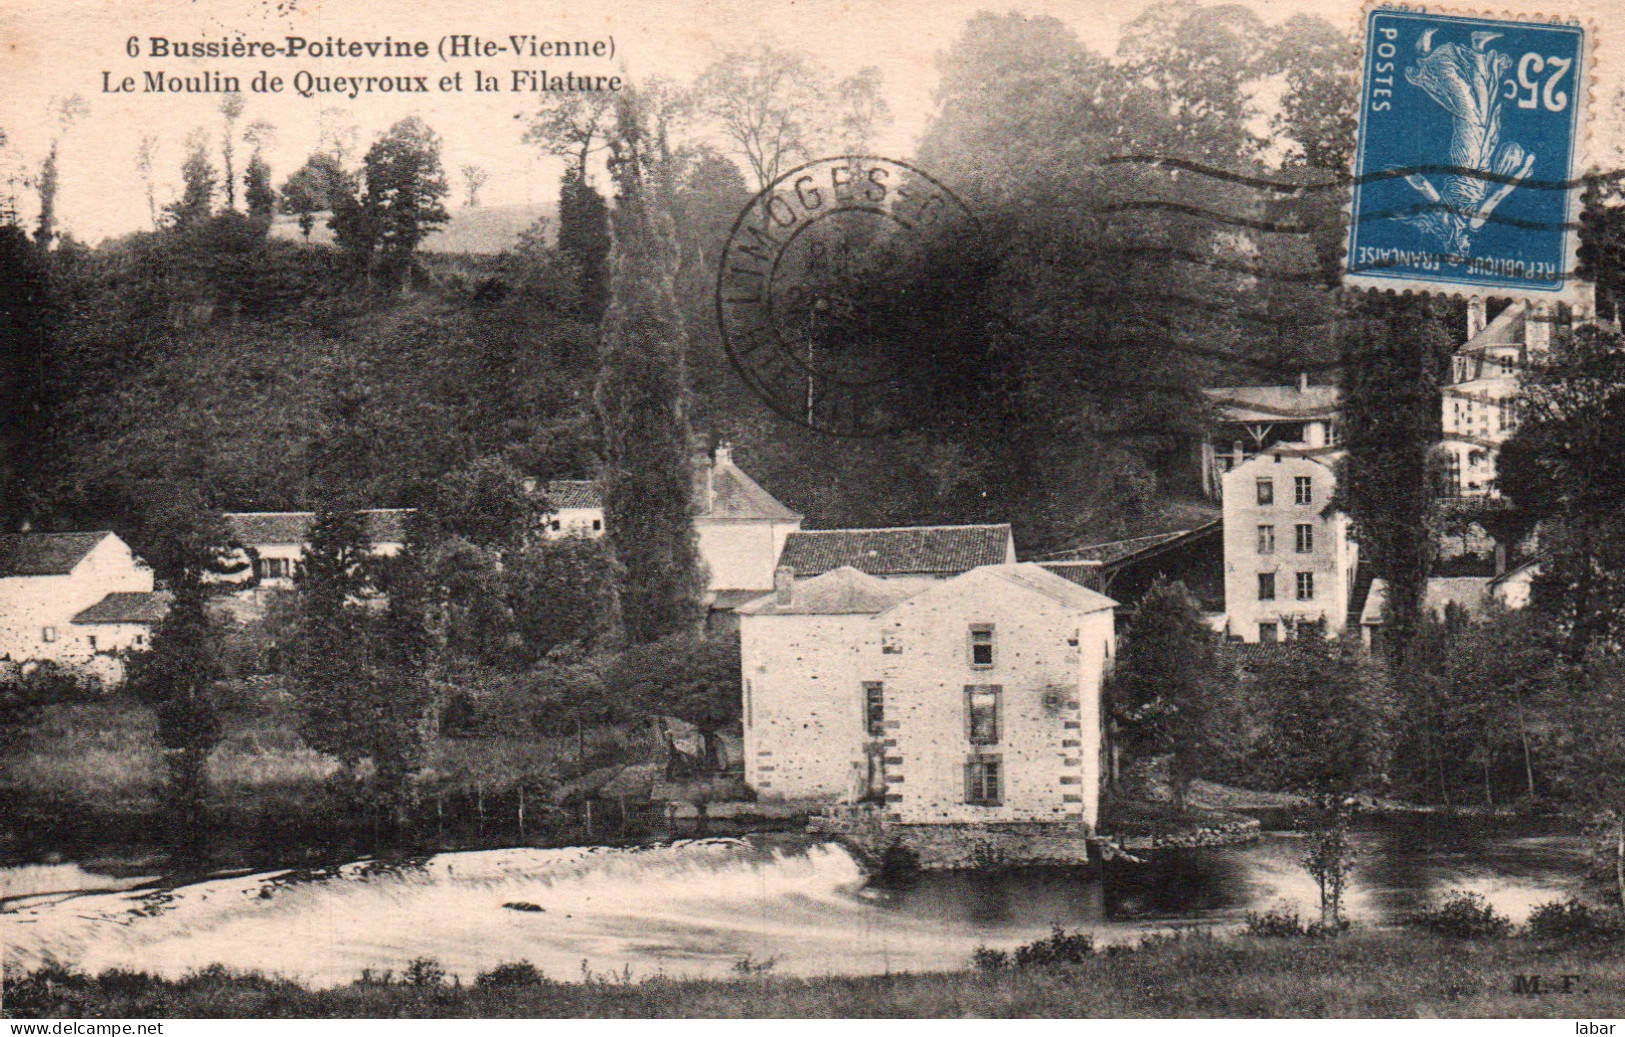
[
  {"x": 53, "y": 987},
  {"x": 1278, "y": 922},
  {"x": 510, "y": 974},
  {"x": 423, "y": 972},
  {"x": 749, "y": 966},
  {"x": 1573, "y": 922},
  {"x": 1059, "y": 948},
  {"x": 1463, "y": 916},
  {"x": 989, "y": 959},
  {"x": 1326, "y": 930}
]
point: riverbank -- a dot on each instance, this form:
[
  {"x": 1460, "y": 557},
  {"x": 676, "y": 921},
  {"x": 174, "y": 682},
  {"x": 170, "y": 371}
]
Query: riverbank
[{"x": 1381, "y": 974}]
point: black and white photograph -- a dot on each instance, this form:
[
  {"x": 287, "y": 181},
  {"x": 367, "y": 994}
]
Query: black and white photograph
[{"x": 808, "y": 509}]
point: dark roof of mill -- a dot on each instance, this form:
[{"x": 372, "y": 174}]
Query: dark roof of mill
[
  {"x": 574, "y": 493},
  {"x": 384, "y": 526},
  {"x": 45, "y": 554},
  {"x": 906, "y": 550},
  {"x": 1275, "y": 402},
  {"x": 843, "y": 591},
  {"x": 1034, "y": 577},
  {"x": 127, "y": 607}
]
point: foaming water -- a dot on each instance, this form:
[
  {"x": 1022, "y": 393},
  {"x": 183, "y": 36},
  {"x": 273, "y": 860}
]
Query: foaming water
[
  {"x": 57, "y": 880},
  {"x": 698, "y": 908},
  {"x": 689, "y": 909}
]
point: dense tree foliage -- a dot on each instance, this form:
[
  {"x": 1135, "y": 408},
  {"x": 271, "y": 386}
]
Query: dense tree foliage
[
  {"x": 1163, "y": 682},
  {"x": 584, "y": 237}
]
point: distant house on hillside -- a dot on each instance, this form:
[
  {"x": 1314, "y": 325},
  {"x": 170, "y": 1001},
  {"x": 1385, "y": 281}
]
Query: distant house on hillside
[
  {"x": 77, "y": 599},
  {"x": 950, "y": 703},
  {"x": 939, "y": 552},
  {"x": 273, "y": 541},
  {"x": 577, "y": 507}
]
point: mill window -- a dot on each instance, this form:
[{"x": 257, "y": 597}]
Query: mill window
[
  {"x": 984, "y": 785},
  {"x": 981, "y": 646}
]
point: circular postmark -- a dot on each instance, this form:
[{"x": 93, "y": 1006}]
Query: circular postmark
[{"x": 815, "y": 283}]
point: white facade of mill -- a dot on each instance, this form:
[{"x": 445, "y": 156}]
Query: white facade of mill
[{"x": 973, "y": 699}]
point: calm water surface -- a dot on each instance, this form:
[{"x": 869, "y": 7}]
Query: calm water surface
[{"x": 697, "y": 908}]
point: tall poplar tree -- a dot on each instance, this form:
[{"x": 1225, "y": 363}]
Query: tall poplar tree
[
  {"x": 1394, "y": 356},
  {"x": 642, "y": 399}
]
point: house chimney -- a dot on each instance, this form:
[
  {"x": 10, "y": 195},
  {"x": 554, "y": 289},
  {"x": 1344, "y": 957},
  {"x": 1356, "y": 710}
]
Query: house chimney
[
  {"x": 725, "y": 453},
  {"x": 1537, "y": 328},
  {"x": 1475, "y": 317},
  {"x": 784, "y": 585},
  {"x": 1303, "y": 381}
]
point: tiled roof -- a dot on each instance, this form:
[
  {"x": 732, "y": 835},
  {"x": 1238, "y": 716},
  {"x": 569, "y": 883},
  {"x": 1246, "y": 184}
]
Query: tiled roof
[
  {"x": 736, "y": 496},
  {"x": 1084, "y": 573},
  {"x": 45, "y": 554},
  {"x": 1275, "y": 402},
  {"x": 252, "y": 528},
  {"x": 574, "y": 493},
  {"x": 127, "y": 607},
  {"x": 907, "y": 550},
  {"x": 840, "y": 592}
]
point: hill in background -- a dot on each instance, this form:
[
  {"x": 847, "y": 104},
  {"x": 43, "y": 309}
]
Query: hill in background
[{"x": 486, "y": 230}]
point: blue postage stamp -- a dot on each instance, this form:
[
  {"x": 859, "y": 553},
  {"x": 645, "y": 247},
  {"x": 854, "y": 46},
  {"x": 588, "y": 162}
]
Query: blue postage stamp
[{"x": 1465, "y": 168}]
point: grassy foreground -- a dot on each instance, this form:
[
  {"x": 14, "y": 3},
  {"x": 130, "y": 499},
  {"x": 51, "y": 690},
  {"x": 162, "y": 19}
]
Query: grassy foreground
[{"x": 1362, "y": 974}]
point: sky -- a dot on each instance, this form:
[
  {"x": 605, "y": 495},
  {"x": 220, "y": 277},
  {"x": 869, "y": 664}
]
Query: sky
[{"x": 53, "y": 49}]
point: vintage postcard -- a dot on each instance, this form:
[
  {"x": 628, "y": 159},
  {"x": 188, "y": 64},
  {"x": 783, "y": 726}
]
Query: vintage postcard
[{"x": 833, "y": 509}]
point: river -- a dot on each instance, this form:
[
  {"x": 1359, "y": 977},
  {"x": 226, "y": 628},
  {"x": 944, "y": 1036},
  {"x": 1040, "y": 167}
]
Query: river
[{"x": 701, "y": 908}]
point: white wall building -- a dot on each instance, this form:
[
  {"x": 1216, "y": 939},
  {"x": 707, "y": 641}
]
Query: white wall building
[
  {"x": 1286, "y": 560},
  {"x": 970, "y": 699},
  {"x": 578, "y": 508},
  {"x": 1480, "y": 400},
  {"x": 77, "y": 599},
  {"x": 273, "y": 542},
  {"x": 741, "y": 527}
]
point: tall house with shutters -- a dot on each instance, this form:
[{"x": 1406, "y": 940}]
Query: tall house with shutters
[
  {"x": 973, "y": 699},
  {"x": 1289, "y": 562}
]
